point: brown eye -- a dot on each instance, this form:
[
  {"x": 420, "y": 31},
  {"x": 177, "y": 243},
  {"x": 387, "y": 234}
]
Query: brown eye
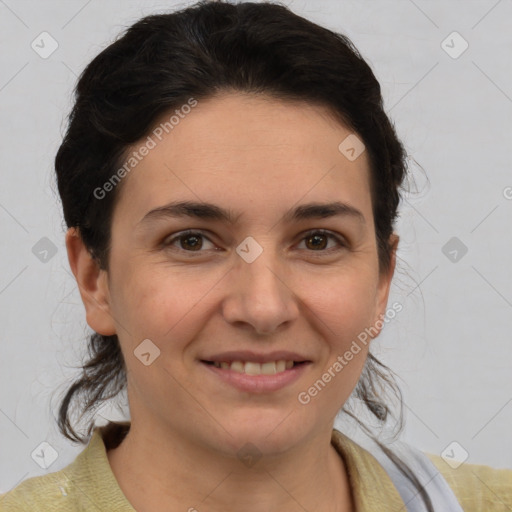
[
  {"x": 189, "y": 241},
  {"x": 317, "y": 241},
  {"x": 193, "y": 242}
]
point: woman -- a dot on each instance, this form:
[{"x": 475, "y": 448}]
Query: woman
[{"x": 230, "y": 183}]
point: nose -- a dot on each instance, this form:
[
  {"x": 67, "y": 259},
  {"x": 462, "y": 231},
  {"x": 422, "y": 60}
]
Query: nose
[{"x": 260, "y": 297}]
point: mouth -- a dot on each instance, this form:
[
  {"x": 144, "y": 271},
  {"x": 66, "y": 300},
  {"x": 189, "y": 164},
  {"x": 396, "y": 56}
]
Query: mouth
[
  {"x": 253, "y": 376},
  {"x": 255, "y": 368}
]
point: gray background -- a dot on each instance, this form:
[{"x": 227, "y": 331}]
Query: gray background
[{"x": 451, "y": 344}]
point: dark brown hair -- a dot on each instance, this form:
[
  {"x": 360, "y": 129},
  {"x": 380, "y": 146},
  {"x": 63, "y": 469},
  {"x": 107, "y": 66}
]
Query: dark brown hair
[{"x": 156, "y": 66}]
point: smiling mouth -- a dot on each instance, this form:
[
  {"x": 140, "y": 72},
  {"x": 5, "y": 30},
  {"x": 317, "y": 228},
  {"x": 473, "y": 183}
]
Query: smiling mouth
[{"x": 253, "y": 368}]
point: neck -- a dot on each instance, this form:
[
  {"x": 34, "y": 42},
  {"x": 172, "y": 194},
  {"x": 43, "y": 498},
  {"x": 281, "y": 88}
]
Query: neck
[{"x": 177, "y": 475}]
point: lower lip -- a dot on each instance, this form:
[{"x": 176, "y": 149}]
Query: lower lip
[{"x": 258, "y": 383}]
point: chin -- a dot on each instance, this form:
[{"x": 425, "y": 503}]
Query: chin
[{"x": 268, "y": 434}]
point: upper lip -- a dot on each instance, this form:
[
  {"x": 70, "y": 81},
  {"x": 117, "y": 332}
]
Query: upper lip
[{"x": 254, "y": 357}]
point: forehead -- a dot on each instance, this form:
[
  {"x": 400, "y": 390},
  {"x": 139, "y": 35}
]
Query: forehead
[{"x": 247, "y": 150}]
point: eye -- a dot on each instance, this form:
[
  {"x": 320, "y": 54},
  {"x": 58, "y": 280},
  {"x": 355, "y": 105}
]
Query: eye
[
  {"x": 190, "y": 241},
  {"x": 317, "y": 240}
]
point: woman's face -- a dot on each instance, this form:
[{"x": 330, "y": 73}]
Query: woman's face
[{"x": 261, "y": 284}]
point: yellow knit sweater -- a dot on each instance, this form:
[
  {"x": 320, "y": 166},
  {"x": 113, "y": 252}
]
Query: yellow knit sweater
[{"x": 88, "y": 483}]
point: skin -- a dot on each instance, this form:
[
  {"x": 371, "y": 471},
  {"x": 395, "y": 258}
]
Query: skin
[{"x": 259, "y": 157}]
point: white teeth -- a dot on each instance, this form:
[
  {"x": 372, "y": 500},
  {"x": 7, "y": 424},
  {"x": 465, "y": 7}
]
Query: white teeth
[
  {"x": 251, "y": 368},
  {"x": 237, "y": 366},
  {"x": 268, "y": 368}
]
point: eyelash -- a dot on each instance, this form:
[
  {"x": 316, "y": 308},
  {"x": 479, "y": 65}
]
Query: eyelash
[{"x": 189, "y": 233}]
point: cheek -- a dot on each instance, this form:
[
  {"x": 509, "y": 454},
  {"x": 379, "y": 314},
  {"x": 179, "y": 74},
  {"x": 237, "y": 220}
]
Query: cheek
[
  {"x": 161, "y": 303},
  {"x": 345, "y": 313},
  {"x": 345, "y": 304}
]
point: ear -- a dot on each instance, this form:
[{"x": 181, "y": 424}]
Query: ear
[
  {"x": 385, "y": 279},
  {"x": 92, "y": 283}
]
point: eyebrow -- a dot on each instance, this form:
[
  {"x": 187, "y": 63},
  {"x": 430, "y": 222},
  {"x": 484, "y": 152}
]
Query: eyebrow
[{"x": 209, "y": 211}]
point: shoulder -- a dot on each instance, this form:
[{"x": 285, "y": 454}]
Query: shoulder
[
  {"x": 477, "y": 487},
  {"x": 86, "y": 484},
  {"x": 40, "y": 493}
]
